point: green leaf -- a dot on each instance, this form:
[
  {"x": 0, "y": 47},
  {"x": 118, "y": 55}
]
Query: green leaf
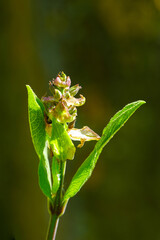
[
  {"x": 61, "y": 144},
  {"x": 85, "y": 170},
  {"x": 55, "y": 175},
  {"x": 38, "y": 134}
]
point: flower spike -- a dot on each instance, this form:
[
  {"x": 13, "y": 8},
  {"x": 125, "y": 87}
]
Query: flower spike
[{"x": 62, "y": 105}]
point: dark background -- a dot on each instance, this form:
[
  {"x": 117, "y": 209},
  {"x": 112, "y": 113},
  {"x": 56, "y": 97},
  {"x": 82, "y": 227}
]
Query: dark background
[{"x": 112, "y": 49}]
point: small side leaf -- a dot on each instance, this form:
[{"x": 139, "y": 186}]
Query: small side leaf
[
  {"x": 86, "y": 169},
  {"x": 61, "y": 144},
  {"x": 37, "y": 128}
]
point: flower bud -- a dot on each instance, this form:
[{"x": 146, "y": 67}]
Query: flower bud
[
  {"x": 74, "y": 90},
  {"x": 48, "y": 102},
  {"x": 61, "y": 113},
  {"x": 76, "y": 101},
  {"x": 62, "y": 81},
  {"x": 67, "y": 95},
  {"x": 57, "y": 94},
  {"x": 73, "y": 112}
]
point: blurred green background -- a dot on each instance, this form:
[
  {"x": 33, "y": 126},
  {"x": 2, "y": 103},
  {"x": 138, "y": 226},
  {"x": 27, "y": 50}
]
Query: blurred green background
[{"x": 112, "y": 49}]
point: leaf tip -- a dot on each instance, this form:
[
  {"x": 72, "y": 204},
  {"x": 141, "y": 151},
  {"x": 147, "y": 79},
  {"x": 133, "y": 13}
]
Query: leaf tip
[
  {"x": 142, "y": 102},
  {"x": 28, "y": 87}
]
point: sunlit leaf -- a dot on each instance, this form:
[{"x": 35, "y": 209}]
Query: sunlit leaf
[
  {"x": 61, "y": 144},
  {"x": 37, "y": 128},
  {"x": 86, "y": 169}
]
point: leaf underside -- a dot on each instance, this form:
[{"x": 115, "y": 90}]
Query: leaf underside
[
  {"x": 86, "y": 169},
  {"x": 37, "y": 128}
]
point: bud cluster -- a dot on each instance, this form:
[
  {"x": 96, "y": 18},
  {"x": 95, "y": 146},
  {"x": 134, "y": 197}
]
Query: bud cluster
[{"x": 62, "y": 104}]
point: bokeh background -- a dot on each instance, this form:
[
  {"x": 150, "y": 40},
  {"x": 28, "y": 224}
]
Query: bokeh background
[{"x": 112, "y": 49}]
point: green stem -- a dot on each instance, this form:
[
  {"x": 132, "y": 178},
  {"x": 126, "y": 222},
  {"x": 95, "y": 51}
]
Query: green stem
[
  {"x": 60, "y": 190},
  {"x": 56, "y": 210},
  {"x": 53, "y": 227}
]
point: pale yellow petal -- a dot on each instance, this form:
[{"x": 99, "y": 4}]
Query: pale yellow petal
[{"x": 84, "y": 134}]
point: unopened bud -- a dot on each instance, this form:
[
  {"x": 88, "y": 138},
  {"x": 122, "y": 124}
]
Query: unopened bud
[
  {"x": 73, "y": 111},
  {"x": 62, "y": 75},
  {"x": 74, "y": 90},
  {"x": 62, "y": 81},
  {"x": 57, "y": 94},
  {"x": 67, "y": 94}
]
